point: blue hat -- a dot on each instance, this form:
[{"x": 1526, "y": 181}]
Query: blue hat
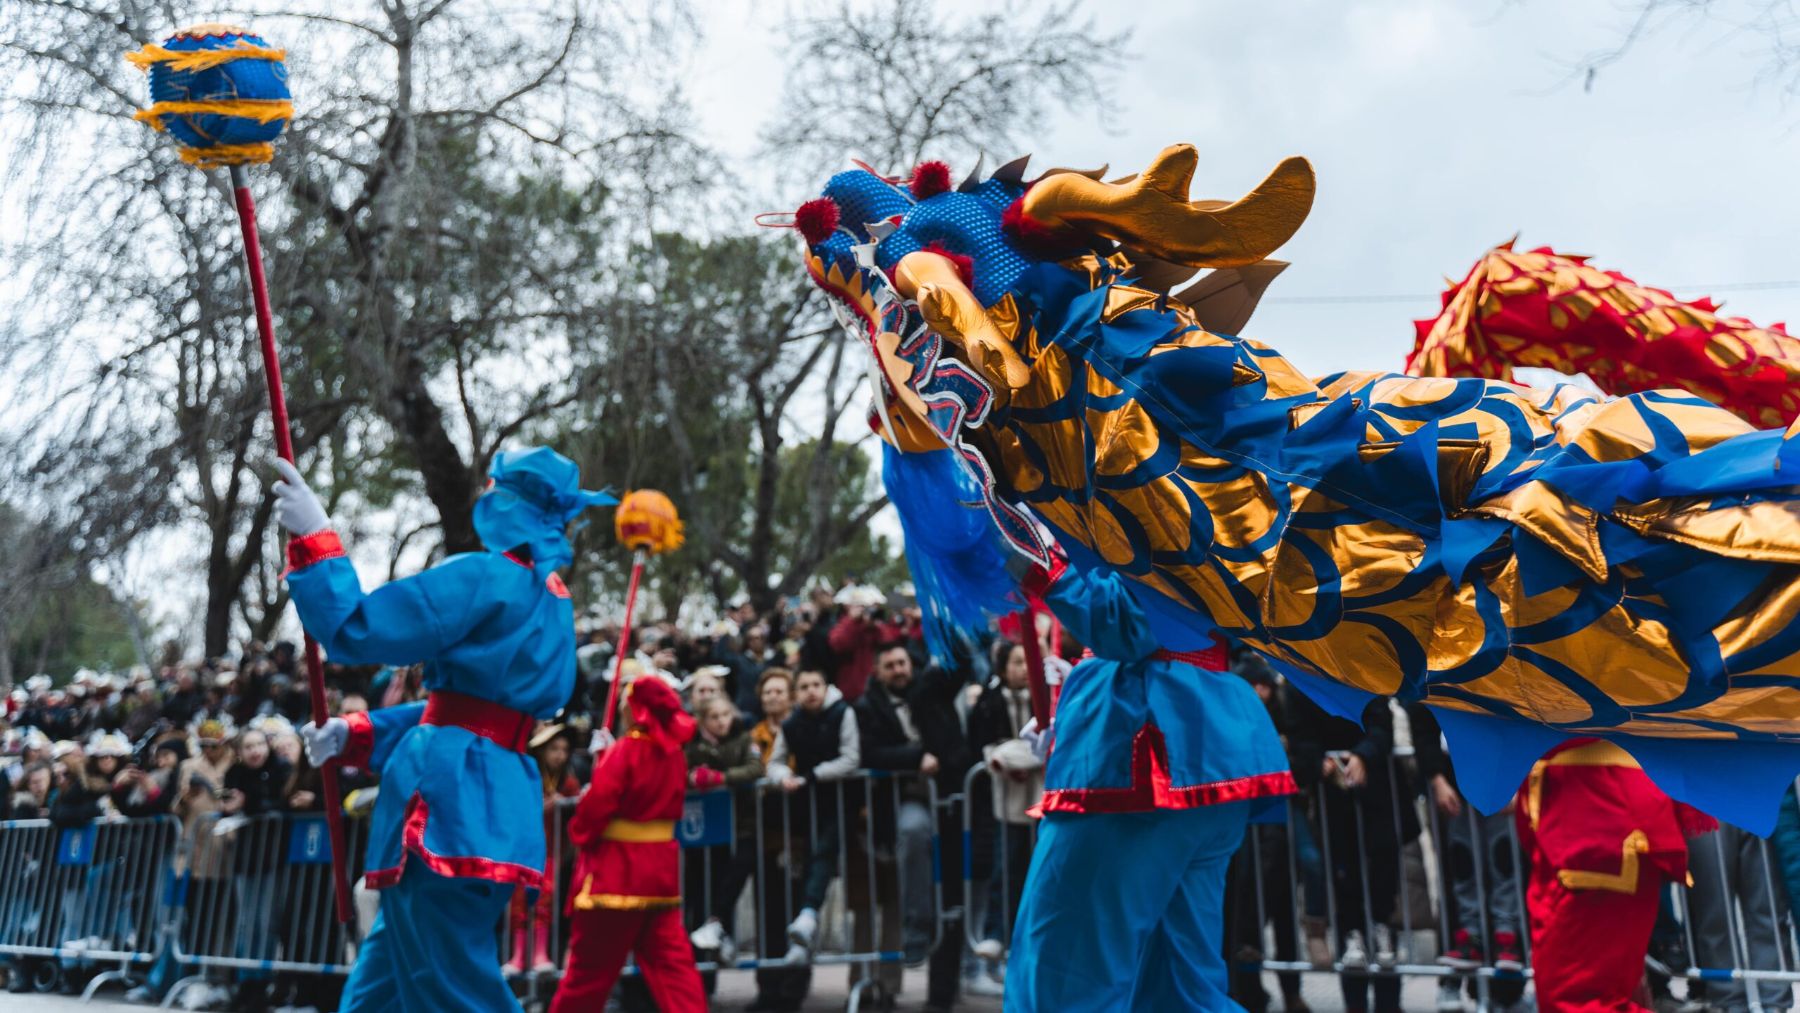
[{"x": 531, "y": 498}]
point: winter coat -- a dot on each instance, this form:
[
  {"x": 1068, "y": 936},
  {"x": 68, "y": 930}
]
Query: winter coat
[
  {"x": 994, "y": 725},
  {"x": 733, "y": 756}
]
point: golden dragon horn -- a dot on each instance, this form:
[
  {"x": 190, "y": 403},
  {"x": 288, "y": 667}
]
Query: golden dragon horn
[{"x": 1152, "y": 213}]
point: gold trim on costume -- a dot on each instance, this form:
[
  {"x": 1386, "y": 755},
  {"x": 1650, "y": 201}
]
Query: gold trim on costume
[
  {"x": 1599, "y": 753},
  {"x": 638, "y": 831},
  {"x": 587, "y": 901},
  {"x": 1636, "y": 843}
]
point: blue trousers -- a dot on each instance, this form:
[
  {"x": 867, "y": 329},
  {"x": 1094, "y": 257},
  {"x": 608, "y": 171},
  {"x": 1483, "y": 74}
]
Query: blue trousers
[
  {"x": 434, "y": 948},
  {"x": 1125, "y": 911}
]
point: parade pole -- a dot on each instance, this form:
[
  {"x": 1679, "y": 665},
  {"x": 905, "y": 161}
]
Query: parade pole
[
  {"x": 648, "y": 524},
  {"x": 284, "y": 446},
  {"x": 612, "y": 694},
  {"x": 221, "y": 94},
  {"x": 1034, "y": 663}
]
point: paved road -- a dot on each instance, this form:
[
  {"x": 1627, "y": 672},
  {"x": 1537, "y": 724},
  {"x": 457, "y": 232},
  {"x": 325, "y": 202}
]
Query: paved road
[{"x": 735, "y": 990}]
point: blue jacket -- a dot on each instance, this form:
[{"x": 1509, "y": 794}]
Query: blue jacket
[
  {"x": 1136, "y": 732},
  {"x": 485, "y": 626}
]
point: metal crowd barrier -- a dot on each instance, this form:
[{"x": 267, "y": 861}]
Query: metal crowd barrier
[
  {"x": 83, "y": 895},
  {"x": 252, "y": 897},
  {"x": 762, "y": 843},
  {"x": 998, "y": 846},
  {"x": 1342, "y": 862}
]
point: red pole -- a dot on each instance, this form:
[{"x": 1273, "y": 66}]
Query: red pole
[
  {"x": 612, "y": 695},
  {"x": 284, "y": 445},
  {"x": 1034, "y": 664}
]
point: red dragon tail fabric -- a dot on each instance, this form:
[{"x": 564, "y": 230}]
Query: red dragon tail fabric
[{"x": 1546, "y": 309}]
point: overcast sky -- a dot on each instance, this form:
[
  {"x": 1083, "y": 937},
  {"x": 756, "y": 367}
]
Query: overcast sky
[{"x": 1437, "y": 130}]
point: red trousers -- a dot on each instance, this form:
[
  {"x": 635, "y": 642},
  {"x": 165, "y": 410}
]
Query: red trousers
[
  {"x": 1587, "y": 946},
  {"x": 598, "y": 943}
]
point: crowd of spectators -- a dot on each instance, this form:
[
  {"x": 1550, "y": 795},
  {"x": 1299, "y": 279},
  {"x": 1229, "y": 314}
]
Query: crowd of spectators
[{"x": 791, "y": 706}]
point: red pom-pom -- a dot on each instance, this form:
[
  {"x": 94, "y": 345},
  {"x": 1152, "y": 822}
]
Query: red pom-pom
[
  {"x": 965, "y": 265},
  {"x": 817, "y": 219},
  {"x": 930, "y": 179}
]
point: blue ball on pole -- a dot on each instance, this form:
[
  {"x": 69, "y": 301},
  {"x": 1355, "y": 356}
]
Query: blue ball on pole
[{"x": 220, "y": 91}]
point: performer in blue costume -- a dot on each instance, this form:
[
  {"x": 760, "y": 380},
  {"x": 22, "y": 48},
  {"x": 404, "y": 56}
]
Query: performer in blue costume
[
  {"x": 1160, "y": 760},
  {"x": 458, "y": 823}
]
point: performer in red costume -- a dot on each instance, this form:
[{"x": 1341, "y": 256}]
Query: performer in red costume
[
  {"x": 627, "y": 874},
  {"x": 1603, "y": 840}
]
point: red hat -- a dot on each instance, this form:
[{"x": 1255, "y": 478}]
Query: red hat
[{"x": 657, "y": 712}]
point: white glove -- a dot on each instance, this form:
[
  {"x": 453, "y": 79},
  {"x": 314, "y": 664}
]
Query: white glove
[
  {"x": 1038, "y": 741},
  {"x": 295, "y": 505},
  {"x": 601, "y": 741},
  {"x": 323, "y": 742},
  {"x": 1056, "y": 669}
]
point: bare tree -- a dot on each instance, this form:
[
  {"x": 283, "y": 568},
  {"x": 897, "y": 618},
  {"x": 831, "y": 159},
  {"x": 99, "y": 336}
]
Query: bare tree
[
  {"x": 436, "y": 225},
  {"x": 904, "y": 80},
  {"x": 1773, "y": 26}
]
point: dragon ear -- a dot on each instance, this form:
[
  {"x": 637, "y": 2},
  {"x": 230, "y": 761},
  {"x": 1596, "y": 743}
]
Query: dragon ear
[
  {"x": 1152, "y": 213},
  {"x": 1012, "y": 172},
  {"x": 1223, "y": 300},
  {"x": 973, "y": 179}
]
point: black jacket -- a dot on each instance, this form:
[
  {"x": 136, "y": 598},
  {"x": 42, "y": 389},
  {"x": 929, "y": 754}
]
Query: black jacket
[
  {"x": 812, "y": 739},
  {"x": 990, "y": 720},
  {"x": 265, "y": 787},
  {"x": 932, "y": 698}
]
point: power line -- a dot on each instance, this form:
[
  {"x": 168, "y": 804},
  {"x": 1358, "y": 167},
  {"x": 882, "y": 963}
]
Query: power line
[{"x": 1320, "y": 300}]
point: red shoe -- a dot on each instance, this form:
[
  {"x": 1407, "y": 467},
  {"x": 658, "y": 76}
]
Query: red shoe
[
  {"x": 1464, "y": 954},
  {"x": 1506, "y": 952}
]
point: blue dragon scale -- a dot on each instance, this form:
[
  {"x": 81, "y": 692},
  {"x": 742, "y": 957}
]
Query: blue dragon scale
[{"x": 1588, "y": 565}]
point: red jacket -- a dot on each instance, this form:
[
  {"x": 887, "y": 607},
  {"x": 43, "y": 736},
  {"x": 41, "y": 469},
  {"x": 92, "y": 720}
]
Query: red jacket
[
  {"x": 854, "y": 641},
  {"x": 625, "y": 828},
  {"x": 1592, "y": 813}
]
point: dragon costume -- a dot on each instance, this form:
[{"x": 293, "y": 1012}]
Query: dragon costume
[{"x": 1533, "y": 564}]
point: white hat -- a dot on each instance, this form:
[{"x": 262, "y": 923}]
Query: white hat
[
  {"x": 109, "y": 744},
  {"x": 860, "y": 594},
  {"x": 38, "y": 683},
  {"x": 207, "y": 728},
  {"x": 36, "y": 739},
  {"x": 719, "y": 672},
  {"x": 62, "y": 748},
  {"x": 271, "y": 724}
]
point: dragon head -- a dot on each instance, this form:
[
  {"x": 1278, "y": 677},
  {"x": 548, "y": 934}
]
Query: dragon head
[{"x": 922, "y": 271}]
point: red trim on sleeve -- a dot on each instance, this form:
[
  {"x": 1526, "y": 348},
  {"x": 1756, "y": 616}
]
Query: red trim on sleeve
[
  {"x": 412, "y": 841},
  {"x": 1212, "y": 659},
  {"x": 1151, "y": 790},
  {"x": 317, "y": 547},
  {"x": 362, "y": 741}
]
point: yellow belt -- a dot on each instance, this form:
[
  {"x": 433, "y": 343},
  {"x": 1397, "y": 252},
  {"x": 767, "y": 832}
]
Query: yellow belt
[{"x": 639, "y": 831}]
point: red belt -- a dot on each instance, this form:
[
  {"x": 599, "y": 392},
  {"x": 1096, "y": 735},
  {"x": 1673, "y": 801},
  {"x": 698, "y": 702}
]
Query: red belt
[
  {"x": 502, "y": 726},
  {"x": 1212, "y": 659}
]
